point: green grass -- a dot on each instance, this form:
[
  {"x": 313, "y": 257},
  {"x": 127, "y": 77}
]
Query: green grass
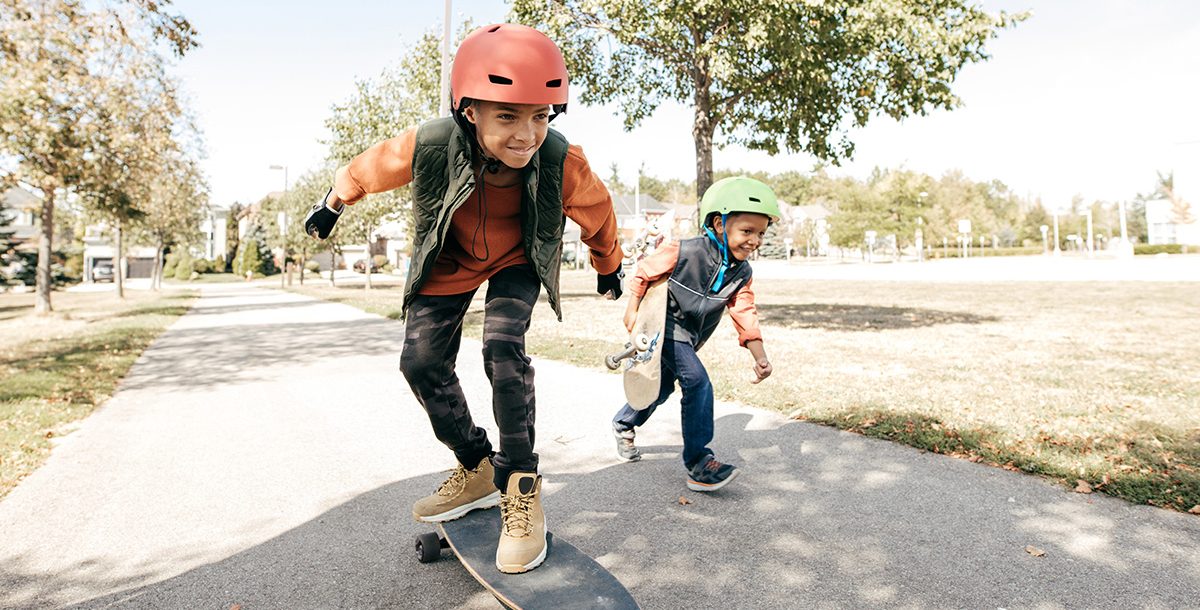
[
  {"x": 56, "y": 369},
  {"x": 1073, "y": 381}
]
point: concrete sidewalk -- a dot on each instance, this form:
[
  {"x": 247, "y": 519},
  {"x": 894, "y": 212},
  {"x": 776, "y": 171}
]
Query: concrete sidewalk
[{"x": 265, "y": 451}]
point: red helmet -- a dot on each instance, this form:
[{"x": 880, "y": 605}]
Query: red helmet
[{"x": 507, "y": 62}]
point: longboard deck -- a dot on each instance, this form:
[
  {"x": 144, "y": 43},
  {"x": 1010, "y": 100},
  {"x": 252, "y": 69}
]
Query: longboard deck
[
  {"x": 643, "y": 380},
  {"x": 567, "y": 579}
]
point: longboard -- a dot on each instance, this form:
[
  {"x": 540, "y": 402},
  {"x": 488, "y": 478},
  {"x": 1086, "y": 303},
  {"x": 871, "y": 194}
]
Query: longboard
[
  {"x": 642, "y": 356},
  {"x": 567, "y": 579}
]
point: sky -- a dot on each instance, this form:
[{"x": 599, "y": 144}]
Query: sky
[{"x": 1085, "y": 98}]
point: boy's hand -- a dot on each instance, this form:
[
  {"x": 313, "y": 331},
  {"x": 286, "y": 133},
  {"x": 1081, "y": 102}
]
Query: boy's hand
[
  {"x": 609, "y": 285},
  {"x": 762, "y": 370},
  {"x": 321, "y": 218},
  {"x": 631, "y": 313}
]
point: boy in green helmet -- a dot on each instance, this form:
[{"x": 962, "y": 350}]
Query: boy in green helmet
[{"x": 707, "y": 274}]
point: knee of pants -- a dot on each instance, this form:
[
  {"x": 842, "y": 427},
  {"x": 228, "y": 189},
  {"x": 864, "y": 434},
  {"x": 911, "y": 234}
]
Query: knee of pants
[
  {"x": 416, "y": 365},
  {"x": 695, "y": 385}
]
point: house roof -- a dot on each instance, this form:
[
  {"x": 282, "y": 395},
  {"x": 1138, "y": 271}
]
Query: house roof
[{"x": 626, "y": 206}]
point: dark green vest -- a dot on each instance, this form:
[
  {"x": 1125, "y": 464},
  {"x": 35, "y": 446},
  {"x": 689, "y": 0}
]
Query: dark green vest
[{"x": 442, "y": 182}]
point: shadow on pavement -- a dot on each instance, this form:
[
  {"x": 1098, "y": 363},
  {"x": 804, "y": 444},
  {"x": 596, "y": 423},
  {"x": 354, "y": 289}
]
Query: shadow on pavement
[{"x": 818, "y": 518}]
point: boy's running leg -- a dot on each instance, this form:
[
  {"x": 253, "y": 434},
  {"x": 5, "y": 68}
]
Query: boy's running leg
[
  {"x": 511, "y": 296},
  {"x": 705, "y": 473},
  {"x": 628, "y": 418},
  {"x": 432, "y": 337}
]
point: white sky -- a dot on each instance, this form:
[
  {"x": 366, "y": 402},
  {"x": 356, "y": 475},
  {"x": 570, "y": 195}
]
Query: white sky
[{"x": 1085, "y": 97}]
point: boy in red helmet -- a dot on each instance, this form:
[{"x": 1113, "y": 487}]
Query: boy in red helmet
[{"x": 491, "y": 189}]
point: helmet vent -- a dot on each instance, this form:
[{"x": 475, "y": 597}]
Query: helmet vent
[
  {"x": 499, "y": 80},
  {"x": 493, "y": 29},
  {"x": 756, "y": 200},
  {"x": 554, "y": 83}
]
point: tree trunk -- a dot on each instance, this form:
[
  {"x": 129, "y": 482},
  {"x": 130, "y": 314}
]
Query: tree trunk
[
  {"x": 45, "y": 250},
  {"x": 702, "y": 128},
  {"x": 118, "y": 258},
  {"x": 156, "y": 281},
  {"x": 303, "y": 262}
]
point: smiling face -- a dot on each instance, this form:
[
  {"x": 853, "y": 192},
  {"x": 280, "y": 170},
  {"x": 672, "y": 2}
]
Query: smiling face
[
  {"x": 511, "y": 133},
  {"x": 745, "y": 232}
]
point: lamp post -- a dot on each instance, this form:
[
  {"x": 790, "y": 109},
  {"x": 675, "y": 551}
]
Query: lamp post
[
  {"x": 1057, "y": 250},
  {"x": 444, "y": 105},
  {"x": 283, "y": 223}
]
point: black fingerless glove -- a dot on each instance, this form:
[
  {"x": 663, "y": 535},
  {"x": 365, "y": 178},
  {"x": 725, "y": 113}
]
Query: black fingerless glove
[
  {"x": 610, "y": 284},
  {"x": 321, "y": 219}
]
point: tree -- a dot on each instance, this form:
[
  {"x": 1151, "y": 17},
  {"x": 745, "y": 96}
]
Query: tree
[
  {"x": 768, "y": 72},
  {"x": 59, "y": 60},
  {"x": 174, "y": 203},
  {"x": 1181, "y": 211}
]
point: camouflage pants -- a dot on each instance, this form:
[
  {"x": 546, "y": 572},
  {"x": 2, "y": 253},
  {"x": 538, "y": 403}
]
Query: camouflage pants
[{"x": 432, "y": 337}]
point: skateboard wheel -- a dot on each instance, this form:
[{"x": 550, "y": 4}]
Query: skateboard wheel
[
  {"x": 429, "y": 547},
  {"x": 611, "y": 363},
  {"x": 642, "y": 342}
]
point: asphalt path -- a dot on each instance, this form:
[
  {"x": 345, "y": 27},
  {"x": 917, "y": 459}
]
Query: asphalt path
[{"x": 265, "y": 452}]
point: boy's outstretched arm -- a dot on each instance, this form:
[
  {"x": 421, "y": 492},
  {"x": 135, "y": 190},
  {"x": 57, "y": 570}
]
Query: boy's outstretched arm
[
  {"x": 744, "y": 314},
  {"x": 762, "y": 366},
  {"x": 587, "y": 201},
  {"x": 382, "y": 167}
]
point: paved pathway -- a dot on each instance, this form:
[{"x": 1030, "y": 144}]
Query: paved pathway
[{"x": 265, "y": 452}]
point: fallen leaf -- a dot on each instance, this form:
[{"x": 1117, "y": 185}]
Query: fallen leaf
[
  {"x": 1036, "y": 552},
  {"x": 1195, "y": 510},
  {"x": 684, "y": 501},
  {"x": 236, "y": 607},
  {"x": 1082, "y": 487}
]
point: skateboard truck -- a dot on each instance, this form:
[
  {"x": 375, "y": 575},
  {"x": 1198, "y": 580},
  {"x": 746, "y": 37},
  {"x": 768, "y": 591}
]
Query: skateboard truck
[{"x": 640, "y": 343}]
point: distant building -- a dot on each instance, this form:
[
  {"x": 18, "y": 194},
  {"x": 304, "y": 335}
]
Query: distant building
[{"x": 1163, "y": 226}]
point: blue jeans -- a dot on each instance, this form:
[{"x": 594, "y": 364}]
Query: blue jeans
[{"x": 679, "y": 362}]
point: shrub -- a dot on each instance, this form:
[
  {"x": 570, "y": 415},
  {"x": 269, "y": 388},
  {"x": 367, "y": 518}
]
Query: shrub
[
  {"x": 312, "y": 265},
  {"x": 380, "y": 261},
  {"x": 219, "y": 264},
  {"x": 1158, "y": 249},
  {"x": 183, "y": 268},
  {"x": 169, "y": 264},
  {"x": 202, "y": 265}
]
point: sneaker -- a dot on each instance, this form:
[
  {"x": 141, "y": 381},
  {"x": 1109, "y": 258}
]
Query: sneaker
[
  {"x": 465, "y": 491},
  {"x": 522, "y": 544},
  {"x": 626, "y": 450},
  {"x": 710, "y": 475}
]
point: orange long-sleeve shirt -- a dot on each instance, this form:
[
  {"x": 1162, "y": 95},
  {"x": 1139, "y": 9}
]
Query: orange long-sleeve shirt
[
  {"x": 486, "y": 230},
  {"x": 741, "y": 306}
]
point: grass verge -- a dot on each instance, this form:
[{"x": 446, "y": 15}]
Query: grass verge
[{"x": 56, "y": 369}]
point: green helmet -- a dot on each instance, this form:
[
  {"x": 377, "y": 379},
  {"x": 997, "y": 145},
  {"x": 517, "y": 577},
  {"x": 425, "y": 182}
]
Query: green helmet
[{"x": 738, "y": 194}]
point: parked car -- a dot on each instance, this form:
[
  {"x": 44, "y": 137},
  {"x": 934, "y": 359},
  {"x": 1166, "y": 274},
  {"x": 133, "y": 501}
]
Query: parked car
[
  {"x": 102, "y": 272},
  {"x": 360, "y": 265}
]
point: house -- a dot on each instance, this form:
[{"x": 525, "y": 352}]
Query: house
[
  {"x": 1164, "y": 226},
  {"x": 808, "y": 226},
  {"x": 24, "y": 208}
]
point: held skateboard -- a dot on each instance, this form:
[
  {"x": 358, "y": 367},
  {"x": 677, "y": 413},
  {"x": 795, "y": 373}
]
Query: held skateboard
[
  {"x": 567, "y": 579},
  {"x": 642, "y": 356}
]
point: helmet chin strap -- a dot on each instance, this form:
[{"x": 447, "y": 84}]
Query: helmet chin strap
[{"x": 723, "y": 246}]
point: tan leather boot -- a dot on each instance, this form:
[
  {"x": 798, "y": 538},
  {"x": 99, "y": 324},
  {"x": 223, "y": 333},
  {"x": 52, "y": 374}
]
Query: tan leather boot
[
  {"x": 522, "y": 525},
  {"x": 465, "y": 491}
]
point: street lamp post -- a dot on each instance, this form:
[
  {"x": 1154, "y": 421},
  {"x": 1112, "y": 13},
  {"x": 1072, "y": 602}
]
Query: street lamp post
[
  {"x": 444, "y": 105},
  {"x": 1057, "y": 250},
  {"x": 283, "y": 220}
]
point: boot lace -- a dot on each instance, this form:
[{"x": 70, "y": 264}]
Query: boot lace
[
  {"x": 514, "y": 511},
  {"x": 455, "y": 484}
]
